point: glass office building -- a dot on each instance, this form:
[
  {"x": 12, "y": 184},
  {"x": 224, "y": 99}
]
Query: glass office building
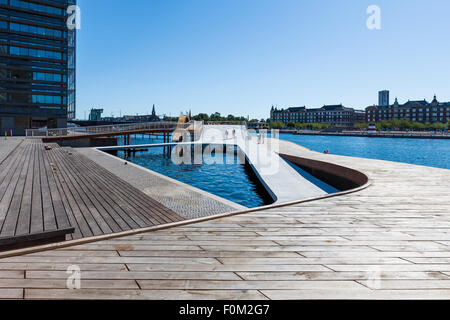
[{"x": 37, "y": 65}]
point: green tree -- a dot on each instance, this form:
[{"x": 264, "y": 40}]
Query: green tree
[
  {"x": 361, "y": 125},
  {"x": 438, "y": 126},
  {"x": 277, "y": 125},
  {"x": 291, "y": 124},
  {"x": 418, "y": 126}
]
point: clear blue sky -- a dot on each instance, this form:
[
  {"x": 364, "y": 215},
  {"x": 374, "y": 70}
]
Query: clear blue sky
[{"x": 241, "y": 56}]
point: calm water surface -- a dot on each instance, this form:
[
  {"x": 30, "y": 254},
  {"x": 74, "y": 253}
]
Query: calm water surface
[
  {"x": 427, "y": 152},
  {"x": 234, "y": 182}
]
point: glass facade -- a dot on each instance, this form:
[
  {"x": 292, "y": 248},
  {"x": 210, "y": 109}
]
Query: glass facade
[{"x": 37, "y": 63}]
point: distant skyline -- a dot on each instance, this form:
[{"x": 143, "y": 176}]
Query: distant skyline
[{"x": 241, "y": 57}]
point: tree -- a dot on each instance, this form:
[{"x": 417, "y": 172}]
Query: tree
[
  {"x": 201, "y": 117},
  {"x": 291, "y": 125},
  {"x": 438, "y": 126},
  {"x": 277, "y": 125},
  {"x": 418, "y": 126},
  {"x": 361, "y": 125}
]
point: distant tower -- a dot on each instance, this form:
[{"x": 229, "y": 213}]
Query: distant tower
[
  {"x": 190, "y": 114},
  {"x": 383, "y": 98},
  {"x": 153, "y": 111}
]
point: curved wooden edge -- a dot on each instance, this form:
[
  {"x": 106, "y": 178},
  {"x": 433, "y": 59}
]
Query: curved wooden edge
[
  {"x": 314, "y": 163},
  {"x": 340, "y": 177}
]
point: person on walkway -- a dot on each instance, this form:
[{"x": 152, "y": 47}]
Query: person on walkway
[
  {"x": 259, "y": 138},
  {"x": 234, "y": 133},
  {"x": 226, "y": 134}
]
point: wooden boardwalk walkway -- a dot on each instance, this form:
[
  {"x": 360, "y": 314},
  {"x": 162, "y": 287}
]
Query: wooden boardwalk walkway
[
  {"x": 388, "y": 241},
  {"x": 54, "y": 194}
]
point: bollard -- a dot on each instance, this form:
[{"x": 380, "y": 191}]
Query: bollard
[
  {"x": 11, "y": 133},
  {"x": 5, "y": 135}
]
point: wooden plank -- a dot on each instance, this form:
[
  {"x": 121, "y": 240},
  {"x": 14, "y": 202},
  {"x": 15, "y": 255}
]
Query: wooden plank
[
  {"x": 96, "y": 260},
  {"x": 145, "y": 203},
  {"x": 141, "y": 204},
  {"x": 105, "y": 204},
  {"x": 48, "y": 213},
  {"x": 81, "y": 197},
  {"x": 10, "y": 163},
  {"x": 11, "y": 294},
  {"x": 10, "y": 221},
  {"x": 9, "y": 183},
  {"x": 60, "y": 214},
  {"x": 80, "y": 210},
  {"x": 143, "y": 294},
  {"x": 127, "y": 275},
  {"x": 107, "y": 223},
  {"x": 62, "y": 283},
  {"x": 61, "y": 266},
  {"x": 37, "y": 213},
  {"x": 101, "y": 193},
  {"x": 24, "y": 218},
  {"x": 108, "y": 186},
  {"x": 247, "y": 285},
  {"x": 76, "y": 219}
]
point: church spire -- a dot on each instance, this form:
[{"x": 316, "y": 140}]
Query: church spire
[{"x": 153, "y": 111}]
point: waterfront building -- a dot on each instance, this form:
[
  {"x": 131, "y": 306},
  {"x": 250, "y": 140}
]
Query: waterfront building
[
  {"x": 417, "y": 111},
  {"x": 37, "y": 65},
  {"x": 95, "y": 114},
  {"x": 143, "y": 118},
  {"x": 337, "y": 115}
]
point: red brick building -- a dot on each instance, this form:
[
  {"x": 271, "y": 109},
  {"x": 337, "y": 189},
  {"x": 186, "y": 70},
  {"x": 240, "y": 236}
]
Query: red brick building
[
  {"x": 417, "y": 111},
  {"x": 332, "y": 114}
]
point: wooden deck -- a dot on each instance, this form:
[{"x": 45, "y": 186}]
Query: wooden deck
[
  {"x": 388, "y": 241},
  {"x": 48, "y": 195}
]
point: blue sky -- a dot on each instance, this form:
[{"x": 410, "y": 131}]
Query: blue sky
[{"x": 241, "y": 56}]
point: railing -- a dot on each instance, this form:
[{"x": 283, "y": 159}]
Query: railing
[
  {"x": 76, "y": 131},
  {"x": 225, "y": 123},
  {"x": 377, "y": 133}
]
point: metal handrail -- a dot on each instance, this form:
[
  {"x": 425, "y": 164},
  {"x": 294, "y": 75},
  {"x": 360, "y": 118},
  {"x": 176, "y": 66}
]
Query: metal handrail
[
  {"x": 219, "y": 123},
  {"x": 64, "y": 132},
  {"x": 379, "y": 133}
]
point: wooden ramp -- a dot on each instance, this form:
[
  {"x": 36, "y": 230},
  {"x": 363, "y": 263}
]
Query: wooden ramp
[{"x": 48, "y": 194}]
